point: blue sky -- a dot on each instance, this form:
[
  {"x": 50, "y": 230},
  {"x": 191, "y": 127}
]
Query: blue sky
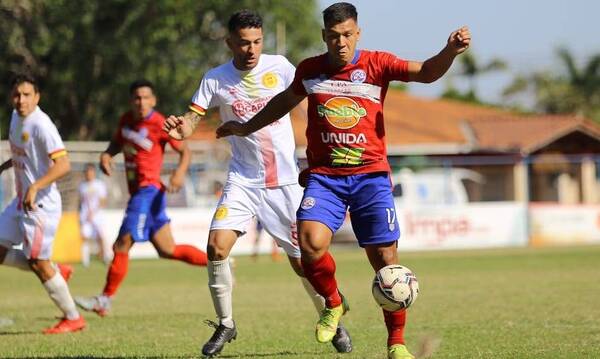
[{"x": 524, "y": 33}]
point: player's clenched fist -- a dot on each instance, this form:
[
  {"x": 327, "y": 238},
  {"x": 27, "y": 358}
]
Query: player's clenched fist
[
  {"x": 231, "y": 128},
  {"x": 178, "y": 127},
  {"x": 459, "y": 40}
]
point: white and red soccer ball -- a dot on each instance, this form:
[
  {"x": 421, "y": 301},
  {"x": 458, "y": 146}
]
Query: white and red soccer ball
[{"x": 395, "y": 287}]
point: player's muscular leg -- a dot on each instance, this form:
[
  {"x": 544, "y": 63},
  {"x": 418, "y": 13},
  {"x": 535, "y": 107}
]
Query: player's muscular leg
[
  {"x": 42, "y": 268},
  {"x": 220, "y": 242},
  {"x": 381, "y": 255},
  {"x": 163, "y": 241},
  {"x": 123, "y": 244},
  {"x": 314, "y": 238}
]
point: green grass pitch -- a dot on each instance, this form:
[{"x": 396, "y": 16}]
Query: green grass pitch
[{"x": 509, "y": 303}]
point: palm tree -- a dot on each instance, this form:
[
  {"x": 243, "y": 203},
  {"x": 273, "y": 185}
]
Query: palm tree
[
  {"x": 471, "y": 68},
  {"x": 577, "y": 90}
]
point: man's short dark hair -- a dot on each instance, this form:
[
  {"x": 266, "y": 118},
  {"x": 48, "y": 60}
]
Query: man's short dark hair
[
  {"x": 140, "y": 83},
  {"x": 89, "y": 166},
  {"x": 244, "y": 19},
  {"x": 23, "y": 78},
  {"x": 339, "y": 12}
]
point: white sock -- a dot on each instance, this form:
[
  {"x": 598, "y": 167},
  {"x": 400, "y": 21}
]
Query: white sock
[
  {"x": 220, "y": 285},
  {"x": 17, "y": 259},
  {"x": 85, "y": 253},
  {"x": 59, "y": 293},
  {"x": 317, "y": 299}
]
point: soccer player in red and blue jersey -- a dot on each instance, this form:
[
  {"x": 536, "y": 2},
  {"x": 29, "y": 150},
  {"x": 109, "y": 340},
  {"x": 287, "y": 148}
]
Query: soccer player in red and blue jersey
[
  {"x": 140, "y": 137},
  {"x": 347, "y": 160}
]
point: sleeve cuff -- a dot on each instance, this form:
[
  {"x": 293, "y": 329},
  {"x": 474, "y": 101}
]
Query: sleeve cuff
[
  {"x": 197, "y": 109},
  {"x": 58, "y": 153}
]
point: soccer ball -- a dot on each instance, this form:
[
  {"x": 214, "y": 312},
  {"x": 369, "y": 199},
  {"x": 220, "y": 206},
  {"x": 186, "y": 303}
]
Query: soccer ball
[{"x": 395, "y": 287}]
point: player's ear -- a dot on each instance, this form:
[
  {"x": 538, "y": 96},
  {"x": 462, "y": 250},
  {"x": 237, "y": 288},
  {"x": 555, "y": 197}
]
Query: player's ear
[
  {"x": 358, "y": 34},
  {"x": 323, "y": 36},
  {"x": 228, "y": 42}
]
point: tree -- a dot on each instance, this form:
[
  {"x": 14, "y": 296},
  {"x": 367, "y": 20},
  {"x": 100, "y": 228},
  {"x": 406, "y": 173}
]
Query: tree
[
  {"x": 87, "y": 52},
  {"x": 472, "y": 69},
  {"x": 576, "y": 90}
]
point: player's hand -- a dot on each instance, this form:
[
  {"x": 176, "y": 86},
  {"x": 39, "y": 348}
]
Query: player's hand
[
  {"x": 176, "y": 182},
  {"x": 106, "y": 164},
  {"x": 29, "y": 198},
  {"x": 231, "y": 128},
  {"x": 459, "y": 40},
  {"x": 178, "y": 127}
]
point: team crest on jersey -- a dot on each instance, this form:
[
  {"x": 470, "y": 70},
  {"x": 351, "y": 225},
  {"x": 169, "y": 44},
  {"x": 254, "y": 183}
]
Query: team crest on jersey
[
  {"x": 308, "y": 203},
  {"x": 24, "y": 137},
  {"x": 269, "y": 80},
  {"x": 358, "y": 76},
  {"x": 341, "y": 112},
  {"x": 221, "y": 213}
]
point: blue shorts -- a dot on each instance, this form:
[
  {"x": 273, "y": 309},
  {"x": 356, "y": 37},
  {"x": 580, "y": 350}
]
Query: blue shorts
[
  {"x": 145, "y": 214},
  {"x": 367, "y": 196}
]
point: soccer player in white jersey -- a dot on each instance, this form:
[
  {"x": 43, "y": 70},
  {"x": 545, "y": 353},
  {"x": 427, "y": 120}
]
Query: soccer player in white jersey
[
  {"x": 39, "y": 159},
  {"x": 92, "y": 197},
  {"x": 262, "y": 180}
]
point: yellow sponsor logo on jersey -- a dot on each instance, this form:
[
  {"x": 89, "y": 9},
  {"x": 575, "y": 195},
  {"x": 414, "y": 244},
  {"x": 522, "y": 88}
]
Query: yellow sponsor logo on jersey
[
  {"x": 269, "y": 80},
  {"x": 25, "y": 137},
  {"x": 221, "y": 213},
  {"x": 341, "y": 112}
]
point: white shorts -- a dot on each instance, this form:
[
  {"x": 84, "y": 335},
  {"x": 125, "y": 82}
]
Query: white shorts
[
  {"x": 275, "y": 208},
  {"x": 35, "y": 230},
  {"x": 91, "y": 229}
]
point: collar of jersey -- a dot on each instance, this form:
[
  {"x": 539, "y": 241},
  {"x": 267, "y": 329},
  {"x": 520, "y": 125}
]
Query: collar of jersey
[
  {"x": 37, "y": 108},
  {"x": 149, "y": 115},
  {"x": 246, "y": 72},
  {"x": 354, "y": 59}
]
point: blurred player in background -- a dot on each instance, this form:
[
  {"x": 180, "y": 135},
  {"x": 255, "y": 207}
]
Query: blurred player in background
[
  {"x": 140, "y": 137},
  {"x": 262, "y": 181},
  {"x": 92, "y": 198},
  {"x": 39, "y": 159},
  {"x": 348, "y": 167}
]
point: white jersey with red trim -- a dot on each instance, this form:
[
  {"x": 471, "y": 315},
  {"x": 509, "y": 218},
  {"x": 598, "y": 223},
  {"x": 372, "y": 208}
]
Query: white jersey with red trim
[
  {"x": 265, "y": 158},
  {"x": 34, "y": 142}
]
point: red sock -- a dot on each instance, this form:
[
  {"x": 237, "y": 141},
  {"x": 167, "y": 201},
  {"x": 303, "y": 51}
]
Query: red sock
[
  {"x": 116, "y": 273},
  {"x": 190, "y": 254},
  {"x": 321, "y": 274},
  {"x": 395, "y": 321}
]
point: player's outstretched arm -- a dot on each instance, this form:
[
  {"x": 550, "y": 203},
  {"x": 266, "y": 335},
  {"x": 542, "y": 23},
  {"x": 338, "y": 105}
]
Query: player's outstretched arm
[
  {"x": 178, "y": 176},
  {"x": 61, "y": 167},
  {"x": 182, "y": 127},
  {"x": 438, "y": 65},
  {"x": 6, "y": 165},
  {"x": 279, "y": 105}
]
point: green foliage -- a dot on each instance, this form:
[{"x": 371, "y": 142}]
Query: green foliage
[
  {"x": 87, "y": 52},
  {"x": 471, "y": 69},
  {"x": 575, "y": 90},
  {"x": 507, "y": 303}
]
